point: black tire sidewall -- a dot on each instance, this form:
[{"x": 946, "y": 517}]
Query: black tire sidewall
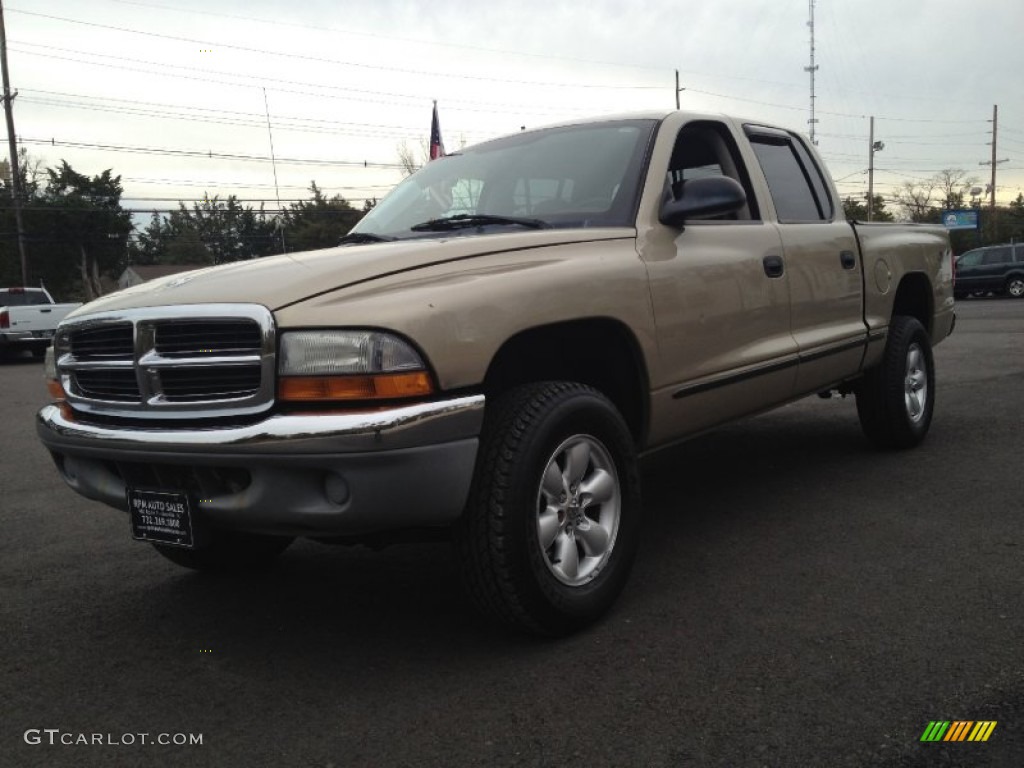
[
  {"x": 912, "y": 431},
  {"x": 557, "y": 607},
  {"x": 880, "y": 398}
]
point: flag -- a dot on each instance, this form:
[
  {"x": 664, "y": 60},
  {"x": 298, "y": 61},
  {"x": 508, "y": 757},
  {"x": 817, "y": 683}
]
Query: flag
[{"x": 436, "y": 145}]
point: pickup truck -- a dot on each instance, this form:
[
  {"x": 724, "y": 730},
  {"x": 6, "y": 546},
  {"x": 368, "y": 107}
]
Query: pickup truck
[
  {"x": 28, "y": 319},
  {"x": 491, "y": 350}
]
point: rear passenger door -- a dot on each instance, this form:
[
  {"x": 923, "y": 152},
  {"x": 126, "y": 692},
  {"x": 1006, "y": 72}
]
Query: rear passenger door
[
  {"x": 821, "y": 259},
  {"x": 995, "y": 262}
]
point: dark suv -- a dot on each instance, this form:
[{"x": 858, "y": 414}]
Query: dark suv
[{"x": 995, "y": 268}]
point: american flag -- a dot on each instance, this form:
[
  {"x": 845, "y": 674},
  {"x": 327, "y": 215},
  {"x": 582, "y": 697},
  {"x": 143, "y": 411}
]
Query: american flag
[{"x": 436, "y": 145}]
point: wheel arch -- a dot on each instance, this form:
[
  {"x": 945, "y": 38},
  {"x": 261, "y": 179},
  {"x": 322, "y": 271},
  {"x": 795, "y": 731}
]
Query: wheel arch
[
  {"x": 914, "y": 298},
  {"x": 599, "y": 351},
  {"x": 1016, "y": 274}
]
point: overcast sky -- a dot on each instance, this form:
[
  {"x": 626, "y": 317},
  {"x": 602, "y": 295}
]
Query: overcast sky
[{"x": 346, "y": 81}]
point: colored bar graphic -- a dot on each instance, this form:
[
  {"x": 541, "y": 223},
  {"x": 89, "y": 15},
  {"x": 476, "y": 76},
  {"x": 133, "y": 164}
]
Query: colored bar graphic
[
  {"x": 982, "y": 730},
  {"x": 935, "y": 731},
  {"x": 958, "y": 730}
]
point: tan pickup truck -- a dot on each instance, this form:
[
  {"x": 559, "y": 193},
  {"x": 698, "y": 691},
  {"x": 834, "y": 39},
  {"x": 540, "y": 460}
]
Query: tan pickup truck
[{"x": 487, "y": 354}]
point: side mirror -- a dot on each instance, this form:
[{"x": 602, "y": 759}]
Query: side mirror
[{"x": 710, "y": 196}]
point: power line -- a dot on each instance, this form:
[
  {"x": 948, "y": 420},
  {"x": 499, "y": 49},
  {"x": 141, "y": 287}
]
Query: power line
[
  {"x": 336, "y": 62},
  {"x": 407, "y": 99},
  {"x": 207, "y": 154},
  {"x": 245, "y": 185}
]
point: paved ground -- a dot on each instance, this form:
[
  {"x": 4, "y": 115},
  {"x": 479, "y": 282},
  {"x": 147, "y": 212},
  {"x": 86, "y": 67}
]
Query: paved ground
[{"x": 800, "y": 601}]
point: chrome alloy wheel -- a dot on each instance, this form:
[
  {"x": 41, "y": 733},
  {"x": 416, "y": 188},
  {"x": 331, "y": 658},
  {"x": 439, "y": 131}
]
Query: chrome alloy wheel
[
  {"x": 915, "y": 384},
  {"x": 578, "y": 510}
]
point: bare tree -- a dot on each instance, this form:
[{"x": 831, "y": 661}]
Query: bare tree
[
  {"x": 954, "y": 184},
  {"x": 407, "y": 157},
  {"x": 915, "y": 198}
]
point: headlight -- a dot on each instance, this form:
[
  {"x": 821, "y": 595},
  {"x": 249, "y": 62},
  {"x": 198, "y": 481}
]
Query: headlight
[{"x": 349, "y": 365}]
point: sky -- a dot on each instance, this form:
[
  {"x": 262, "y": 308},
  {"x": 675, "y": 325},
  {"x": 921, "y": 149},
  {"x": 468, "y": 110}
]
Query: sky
[{"x": 174, "y": 95}]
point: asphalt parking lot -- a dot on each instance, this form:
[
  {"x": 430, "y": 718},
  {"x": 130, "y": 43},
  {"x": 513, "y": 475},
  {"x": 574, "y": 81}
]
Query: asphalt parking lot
[{"x": 800, "y": 600}]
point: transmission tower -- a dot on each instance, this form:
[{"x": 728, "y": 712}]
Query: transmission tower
[{"x": 812, "y": 69}]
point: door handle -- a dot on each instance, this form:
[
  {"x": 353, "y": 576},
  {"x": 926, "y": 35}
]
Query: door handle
[
  {"x": 773, "y": 266},
  {"x": 848, "y": 259}
]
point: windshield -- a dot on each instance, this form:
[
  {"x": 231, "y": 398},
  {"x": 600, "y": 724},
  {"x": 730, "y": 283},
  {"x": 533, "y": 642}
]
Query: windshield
[{"x": 574, "y": 176}]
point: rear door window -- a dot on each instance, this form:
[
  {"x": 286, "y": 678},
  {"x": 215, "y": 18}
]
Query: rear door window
[
  {"x": 997, "y": 256},
  {"x": 794, "y": 180}
]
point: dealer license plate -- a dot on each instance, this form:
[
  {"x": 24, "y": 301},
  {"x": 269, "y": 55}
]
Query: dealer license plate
[{"x": 163, "y": 517}]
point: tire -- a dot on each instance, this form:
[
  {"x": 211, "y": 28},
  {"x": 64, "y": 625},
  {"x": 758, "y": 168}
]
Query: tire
[
  {"x": 228, "y": 551},
  {"x": 553, "y": 519},
  {"x": 895, "y": 399},
  {"x": 38, "y": 353},
  {"x": 960, "y": 295},
  {"x": 1015, "y": 287}
]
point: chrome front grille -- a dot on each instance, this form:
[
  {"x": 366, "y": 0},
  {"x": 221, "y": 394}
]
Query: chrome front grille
[
  {"x": 222, "y": 337},
  {"x": 109, "y": 342},
  {"x": 196, "y": 361},
  {"x": 118, "y": 384},
  {"x": 184, "y": 385}
]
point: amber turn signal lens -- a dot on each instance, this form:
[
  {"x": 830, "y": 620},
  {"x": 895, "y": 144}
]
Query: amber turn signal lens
[
  {"x": 378, "y": 387},
  {"x": 55, "y": 389}
]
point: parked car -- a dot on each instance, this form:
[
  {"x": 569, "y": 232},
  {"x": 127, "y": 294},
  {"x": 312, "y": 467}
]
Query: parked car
[
  {"x": 28, "y": 319},
  {"x": 993, "y": 269}
]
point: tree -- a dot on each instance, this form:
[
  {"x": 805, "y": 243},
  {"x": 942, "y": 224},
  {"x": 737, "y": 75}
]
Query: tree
[
  {"x": 319, "y": 222},
  {"x": 212, "y": 231},
  {"x": 915, "y": 198},
  {"x": 85, "y": 229},
  {"x": 856, "y": 210},
  {"x": 923, "y": 200},
  {"x": 216, "y": 231},
  {"x": 407, "y": 157},
  {"x": 953, "y": 184}
]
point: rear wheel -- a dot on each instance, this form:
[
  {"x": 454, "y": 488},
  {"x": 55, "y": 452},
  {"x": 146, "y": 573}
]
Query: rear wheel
[
  {"x": 1015, "y": 287},
  {"x": 228, "y": 551},
  {"x": 895, "y": 399},
  {"x": 551, "y": 528}
]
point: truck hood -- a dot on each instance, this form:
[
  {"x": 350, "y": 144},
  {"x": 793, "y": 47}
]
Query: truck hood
[{"x": 278, "y": 281}]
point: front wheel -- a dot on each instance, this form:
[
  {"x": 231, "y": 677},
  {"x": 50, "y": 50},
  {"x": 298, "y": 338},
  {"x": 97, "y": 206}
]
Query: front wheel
[
  {"x": 228, "y": 551},
  {"x": 895, "y": 399},
  {"x": 551, "y": 527}
]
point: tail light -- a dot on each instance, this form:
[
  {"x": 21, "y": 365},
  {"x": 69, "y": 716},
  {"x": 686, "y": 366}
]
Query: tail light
[{"x": 5, "y": 319}]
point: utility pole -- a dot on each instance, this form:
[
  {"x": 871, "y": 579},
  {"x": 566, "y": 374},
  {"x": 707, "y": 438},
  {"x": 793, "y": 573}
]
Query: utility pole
[
  {"x": 13, "y": 145},
  {"x": 873, "y": 146},
  {"x": 993, "y": 162},
  {"x": 678, "y": 89},
  {"x": 812, "y": 122}
]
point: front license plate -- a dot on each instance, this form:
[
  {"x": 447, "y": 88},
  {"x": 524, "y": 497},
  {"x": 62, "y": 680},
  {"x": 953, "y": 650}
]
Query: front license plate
[{"x": 164, "y": 517}]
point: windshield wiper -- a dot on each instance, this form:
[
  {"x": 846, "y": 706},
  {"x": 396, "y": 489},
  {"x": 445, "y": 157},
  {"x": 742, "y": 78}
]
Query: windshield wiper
[
  {"x": 466, "y": 220},
  {"x": 355, "y": 238}
]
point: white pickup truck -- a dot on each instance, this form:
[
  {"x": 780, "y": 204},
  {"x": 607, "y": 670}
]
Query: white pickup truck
[{"x": 28, "y": 318}]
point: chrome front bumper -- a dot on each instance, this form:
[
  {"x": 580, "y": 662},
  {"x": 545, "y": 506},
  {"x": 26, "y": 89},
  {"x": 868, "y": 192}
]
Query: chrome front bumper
[{"x": 309, "y": 474}]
